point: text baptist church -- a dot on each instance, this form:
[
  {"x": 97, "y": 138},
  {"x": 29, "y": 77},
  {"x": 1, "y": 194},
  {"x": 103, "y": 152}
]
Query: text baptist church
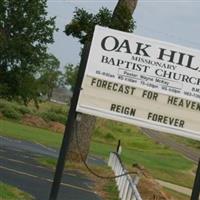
[{"x": 111, "y": 43}]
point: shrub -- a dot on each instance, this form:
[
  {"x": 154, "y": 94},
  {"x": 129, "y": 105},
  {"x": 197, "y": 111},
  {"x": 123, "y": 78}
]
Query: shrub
[
  {"x": 58, "y": 110},
  {"x": 23, "y": 110},
  {"x": 13, "y": 110},
  {"x": 52, "y": 116},
  {"x": 9, "y": 112}
]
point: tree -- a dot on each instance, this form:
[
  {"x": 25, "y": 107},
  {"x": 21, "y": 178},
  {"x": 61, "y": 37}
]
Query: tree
[
  {"x": 25, "y": 33},
  {"x": 82, "y": 27},
  {"x": 49, "y": 75},
  {"x": 70, "y": 74},
  {"x": 83, "y": 23}
]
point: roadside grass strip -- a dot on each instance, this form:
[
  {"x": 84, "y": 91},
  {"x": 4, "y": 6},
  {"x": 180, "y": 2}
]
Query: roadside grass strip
[{"x": 8, "y": 192}]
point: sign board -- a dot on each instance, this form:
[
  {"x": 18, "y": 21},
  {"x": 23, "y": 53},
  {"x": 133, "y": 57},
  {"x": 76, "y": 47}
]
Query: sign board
[{"x": 142, "y": 81}]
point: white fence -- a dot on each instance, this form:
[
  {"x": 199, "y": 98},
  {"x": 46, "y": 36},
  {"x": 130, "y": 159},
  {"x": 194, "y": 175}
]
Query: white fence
[{"x": 126, "y": 185}]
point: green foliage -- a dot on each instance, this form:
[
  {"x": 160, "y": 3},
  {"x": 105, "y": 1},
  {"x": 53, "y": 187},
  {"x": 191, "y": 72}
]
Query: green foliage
[
  {"x": 49, "y": 75},
  {"x": 58, "y": 110},
  {"x": 10, "y": 112},
  {"x": 24, "y": 110},
  {"x": 70, "y": 75},
  {"x": 82, "y": 27},
  {"x": 83, "y": 23},
  {"x": 52, "y": 116},
  {"x": 25, "y": 32},
  {"x": 54, "y": 113},
  {"x": 13, "y": 110}
]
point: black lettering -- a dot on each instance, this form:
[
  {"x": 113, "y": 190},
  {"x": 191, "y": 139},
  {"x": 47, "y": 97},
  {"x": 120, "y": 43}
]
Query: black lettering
[
  {"x": 170, "y": 100},
  {"x": 171, "y": 55},
  {"x": 104, "y": 84},
  {"x": 182, "y": 122},
  {"x": 99, "y": 83},
  {"x": 104, "y": 59},
  {"x": 115, "y": 87},
  {"x": 120, "y": 89},
  {"x": 142, "y": 49},
  {"x": 93, "y": 81},
  {"x": 124, "y": 45},
  {"x": 103, "y": 43},
  {"x": 132, "y": 90},
  {"x": 132, "y": 112},
  {"x": 127, "y": 88},
  {"x": 113, "y": 106},
  {"x": 189, "y": 61}
]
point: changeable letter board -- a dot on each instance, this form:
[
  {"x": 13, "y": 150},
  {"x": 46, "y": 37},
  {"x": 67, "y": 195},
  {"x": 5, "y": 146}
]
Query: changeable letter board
[{"x": 142, "y": 81}]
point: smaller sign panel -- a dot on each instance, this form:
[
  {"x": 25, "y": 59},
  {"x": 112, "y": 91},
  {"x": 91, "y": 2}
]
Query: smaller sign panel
[
  {"x": 140, "y": 107},
  {"x": 143, "y": 82}
]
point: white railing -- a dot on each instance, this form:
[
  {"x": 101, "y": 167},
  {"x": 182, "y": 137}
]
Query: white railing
[{"x": 126, "y": 184}]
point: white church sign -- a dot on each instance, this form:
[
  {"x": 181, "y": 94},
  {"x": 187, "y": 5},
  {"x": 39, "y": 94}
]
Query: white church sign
[{"x": 142, "y": 81}]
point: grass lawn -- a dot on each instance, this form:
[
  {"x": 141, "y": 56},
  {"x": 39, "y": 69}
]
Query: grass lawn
[
  {"x": 164, "y": 165},
  {"x": 162, "y": 162},
  {"x": 28, "y": 133},
  {"x": 11, "y": 193}
]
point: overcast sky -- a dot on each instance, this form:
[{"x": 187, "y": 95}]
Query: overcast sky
[{"x": 175, "y": 21}]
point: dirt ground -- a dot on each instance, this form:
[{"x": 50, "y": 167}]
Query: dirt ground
[{"x": 36, "y": 121}]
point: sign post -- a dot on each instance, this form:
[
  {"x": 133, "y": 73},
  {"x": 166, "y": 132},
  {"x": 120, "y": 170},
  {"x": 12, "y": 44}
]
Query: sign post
[
  {"x": 196, "y": 187},
  {"x": 69, "y": 127}
]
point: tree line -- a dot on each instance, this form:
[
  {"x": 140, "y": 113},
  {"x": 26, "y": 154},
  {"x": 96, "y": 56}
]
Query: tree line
[{"x": 27, "y": 70}]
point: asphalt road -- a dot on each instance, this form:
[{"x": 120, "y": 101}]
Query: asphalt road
[{"x": 19, "y": 168}]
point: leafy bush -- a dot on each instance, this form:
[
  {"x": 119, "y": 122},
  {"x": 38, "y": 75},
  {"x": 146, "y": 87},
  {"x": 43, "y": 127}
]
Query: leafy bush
[
  {"x": 58, "y": 110},
  {"x": 9, "y": 112},
  {"x": 23, "y": 110},
  {"x": 52, "y": 116},
  {"x": 13, "y": 110}
]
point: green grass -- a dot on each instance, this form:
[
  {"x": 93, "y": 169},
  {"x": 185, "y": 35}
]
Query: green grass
[
  {"x": 27, "y": 133},
  {"x": 11, "y": 193},
  {"x": 111, "y": 189},
  {"x": 47, "y": 161},
  {"x": 162, "y": 162},
  {"x": 165, "y": 165}
]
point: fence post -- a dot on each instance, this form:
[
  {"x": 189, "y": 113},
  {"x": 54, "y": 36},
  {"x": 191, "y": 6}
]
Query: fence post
[{"x": 125, "y": 184}]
